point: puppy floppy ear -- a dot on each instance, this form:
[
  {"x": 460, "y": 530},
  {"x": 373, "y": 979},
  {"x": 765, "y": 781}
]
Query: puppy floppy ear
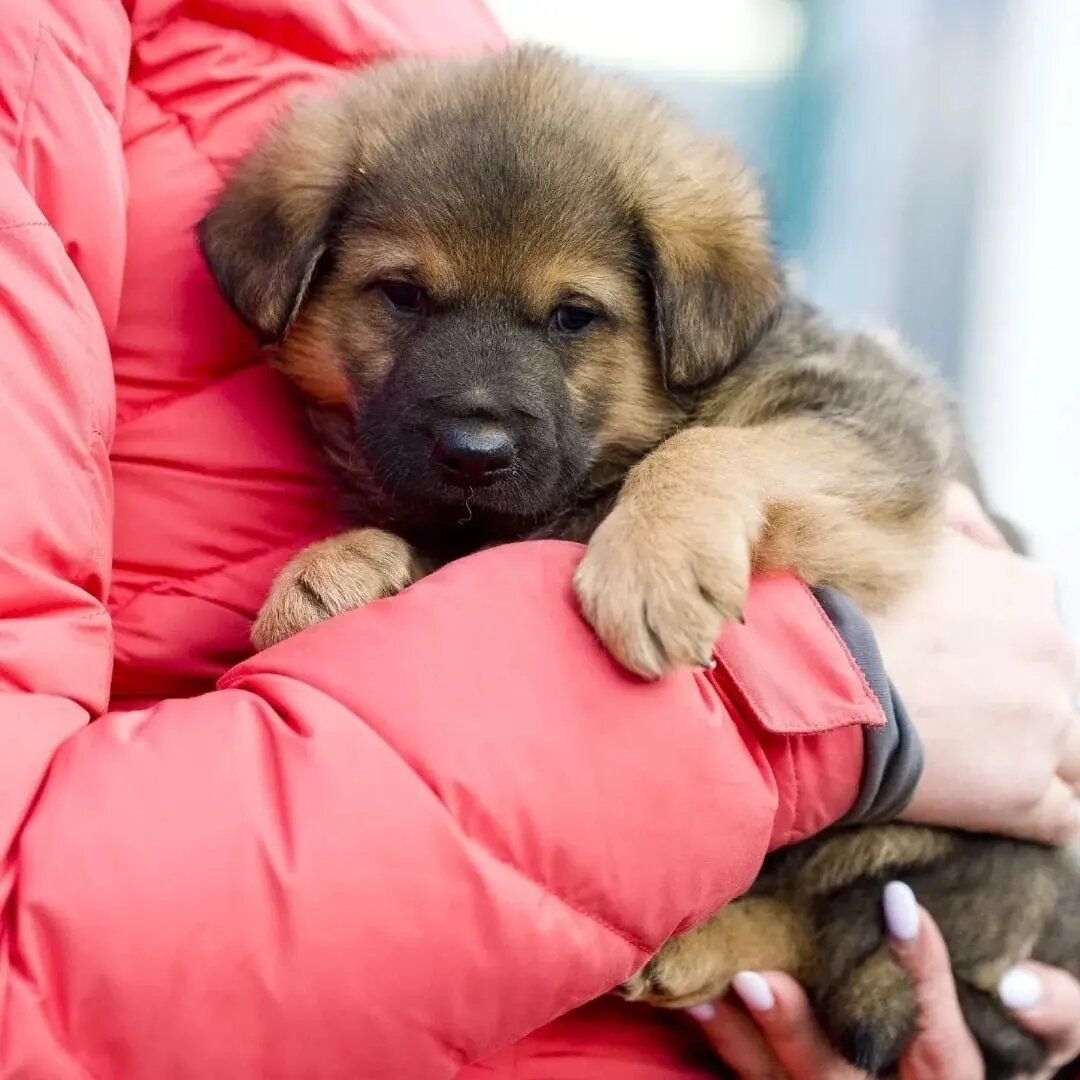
[
  {"x": 272, "y": 223},
  {"x": 708, "y": 262}
]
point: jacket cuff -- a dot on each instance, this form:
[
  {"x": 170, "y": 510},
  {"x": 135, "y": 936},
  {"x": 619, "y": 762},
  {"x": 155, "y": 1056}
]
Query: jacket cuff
[
  {"x": 893, "y": 753},
  {"x": 788, "y": 680}
]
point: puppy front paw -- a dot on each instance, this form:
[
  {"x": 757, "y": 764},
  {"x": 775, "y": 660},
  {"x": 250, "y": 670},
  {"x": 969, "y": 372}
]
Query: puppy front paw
[
  {"x": 333, "y": 576},
  {"x": 658, "y": 590}
]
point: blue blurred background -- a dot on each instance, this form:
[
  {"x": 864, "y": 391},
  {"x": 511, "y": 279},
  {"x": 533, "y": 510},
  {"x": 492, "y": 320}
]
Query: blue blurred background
[{"x": 922, "y": 163}]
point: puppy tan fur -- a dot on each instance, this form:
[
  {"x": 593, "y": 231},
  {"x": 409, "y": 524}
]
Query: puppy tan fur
[{"x": 527, "y": 300}]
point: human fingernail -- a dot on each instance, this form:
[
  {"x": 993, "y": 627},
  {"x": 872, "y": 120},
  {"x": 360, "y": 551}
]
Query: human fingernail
[
  {"x": 754, "y": 991},
  {"x": 1019, "y": 989},
  {"x": 704, "y": 1012},
  {"x": 901, "y": 911}
]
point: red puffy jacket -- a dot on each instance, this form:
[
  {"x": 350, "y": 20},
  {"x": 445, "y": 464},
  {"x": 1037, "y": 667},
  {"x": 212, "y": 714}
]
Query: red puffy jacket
[{"x": 405, "y": 839}]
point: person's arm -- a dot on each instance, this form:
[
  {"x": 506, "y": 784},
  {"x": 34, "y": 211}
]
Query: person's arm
[{"x": 410, "y": 835}]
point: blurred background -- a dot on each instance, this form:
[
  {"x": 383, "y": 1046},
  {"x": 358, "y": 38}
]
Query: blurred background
[{"x": 922, "y": 163}]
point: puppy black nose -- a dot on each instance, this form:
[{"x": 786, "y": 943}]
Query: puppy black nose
[{"x": 473, "y": 452}]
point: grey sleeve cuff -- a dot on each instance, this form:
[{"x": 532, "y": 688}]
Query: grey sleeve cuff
[{"x": 893, "y": 758}]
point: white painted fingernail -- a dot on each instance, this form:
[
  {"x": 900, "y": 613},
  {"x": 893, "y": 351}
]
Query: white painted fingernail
[
  {"x": 704, "y": 1012},
  {"x": 754, "y": 991},
  {"x": 901, "y": 911},
  {"x": 1020, "y": 989}
]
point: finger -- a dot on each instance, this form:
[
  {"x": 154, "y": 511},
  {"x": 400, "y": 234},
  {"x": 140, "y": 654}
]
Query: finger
[
  {"x": 1055, "y": 818},
  {"x": 782, "y": 1012},
  {"x": 965, "y": 513},
  {"x": 1046, "y": 1001},
  {"x": 738, "y": 1041},
  {"x": 943, "y": 1046}
]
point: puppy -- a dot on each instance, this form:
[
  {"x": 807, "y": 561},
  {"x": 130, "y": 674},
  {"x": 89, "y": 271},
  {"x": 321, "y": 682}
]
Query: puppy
[{"x": 526, "y": 300}]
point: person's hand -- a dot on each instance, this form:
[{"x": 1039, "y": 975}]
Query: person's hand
[
  {"x": 982, "y": 663},
  {"x": 774, "y": 1035}
]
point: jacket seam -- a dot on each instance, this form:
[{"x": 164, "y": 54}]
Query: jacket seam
[
  {"x": 29, "y": 88},
  {"x": 796, "y": 796},
  {"x": 840, "y": 718},
  {"x": 868, "y": 694}
]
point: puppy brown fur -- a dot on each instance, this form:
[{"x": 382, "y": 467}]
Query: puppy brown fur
[
  {"x": 815, "y": 913},
  {"x": 526, "y": 300}
]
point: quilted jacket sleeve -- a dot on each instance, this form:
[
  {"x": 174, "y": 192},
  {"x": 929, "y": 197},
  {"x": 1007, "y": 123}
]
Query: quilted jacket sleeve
[
  {"x": 386, "y": 847},
  {"x": 404, "y": 838}
]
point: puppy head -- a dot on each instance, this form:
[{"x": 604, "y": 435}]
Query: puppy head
[{"x": 507, "y": 268}]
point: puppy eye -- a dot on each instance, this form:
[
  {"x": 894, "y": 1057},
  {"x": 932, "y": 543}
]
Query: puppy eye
[
  {"x": 405, "y": 297},
  {"x": 571, "y": 319}
]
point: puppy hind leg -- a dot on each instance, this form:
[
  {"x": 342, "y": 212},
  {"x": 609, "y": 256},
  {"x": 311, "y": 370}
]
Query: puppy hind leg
[
  {"x": 1008, "y": 1050},
  {"x": 866, "y": 999},
  {"x": 752, "y": 934},
  {"x": 861, "y": 993}
]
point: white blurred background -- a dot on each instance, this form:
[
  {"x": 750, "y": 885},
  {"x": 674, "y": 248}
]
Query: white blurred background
[{"x": 922, "y": 161}]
